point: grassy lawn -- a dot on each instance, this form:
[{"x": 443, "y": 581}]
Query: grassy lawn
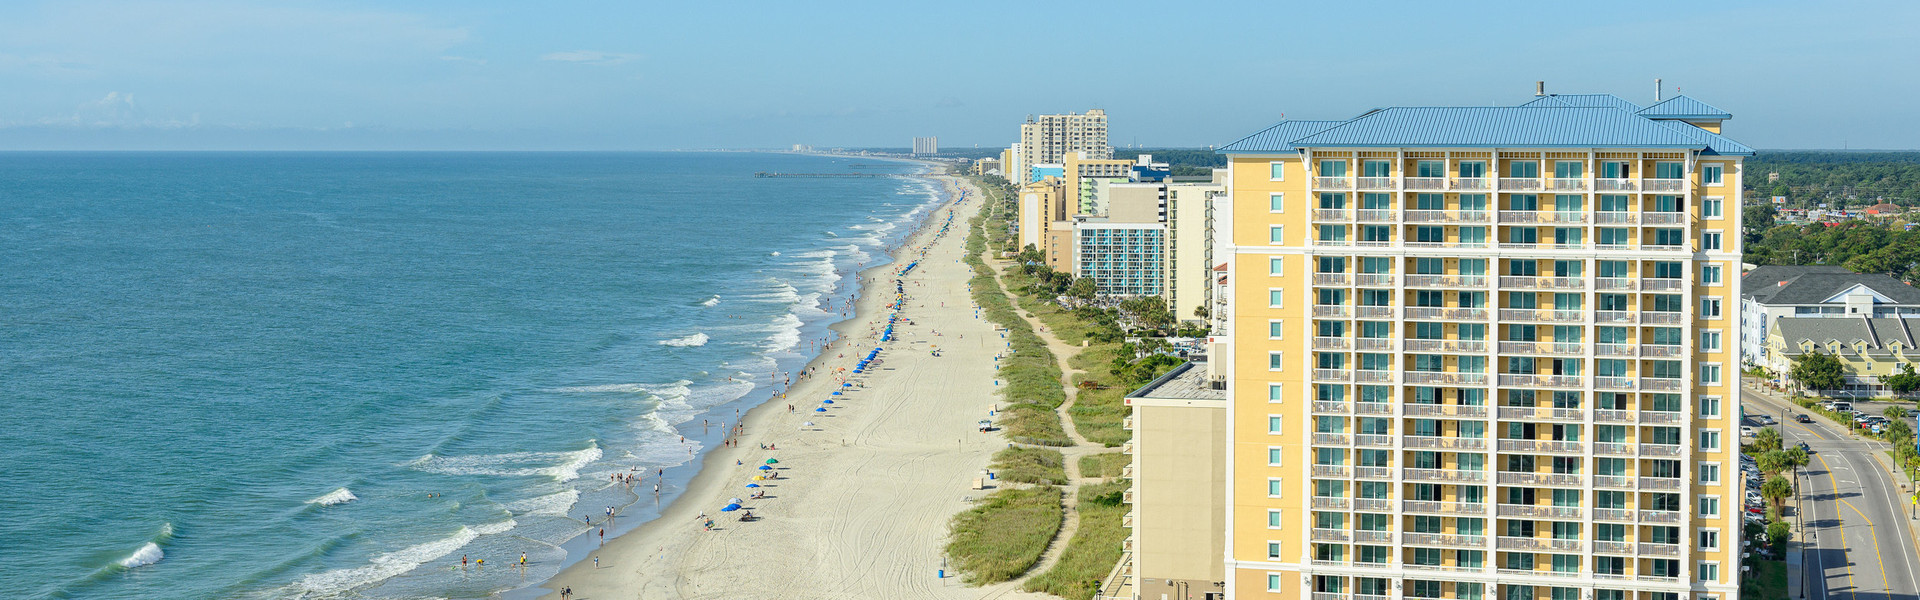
[
  {"x": 1030, "y": 465},
  {"x": 1004, "y": 534},
  {"x": 1094, "y": 549},
  {"x": 1768, "y": 581},
  {"x": 1106, "y": 464}
]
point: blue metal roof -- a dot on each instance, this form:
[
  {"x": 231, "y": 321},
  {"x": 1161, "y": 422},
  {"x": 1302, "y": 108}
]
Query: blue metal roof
[
  {"x": 1682, "y": 107},
  {"x": 1514, "y": 127},
  {"x": 1583, "y": 101},
  {"x": 1277, "y": 137}
]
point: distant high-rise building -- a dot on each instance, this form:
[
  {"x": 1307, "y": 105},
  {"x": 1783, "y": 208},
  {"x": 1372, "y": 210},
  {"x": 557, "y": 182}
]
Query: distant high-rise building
[
  {"x": 926, "y": 145},
  {"x": 1050, "y": 138}
]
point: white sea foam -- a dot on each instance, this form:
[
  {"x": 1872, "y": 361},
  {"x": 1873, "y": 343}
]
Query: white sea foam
[
  {"x": 786, "y": 333},
  {"x": 146, "y": 555},
  {"x": 561, "y": 466},
  {"x": 832, "y": 234},
  {"x": 775, "y": 253},
  {"x": 386, "y": 566},
  {"x": 339, "y": 496},
  {"x": 551, "y": 504},
  {"x": 714, "y": 301},
  {"x": 697, "y": 339},
  {"x": 622, "y": 388}
]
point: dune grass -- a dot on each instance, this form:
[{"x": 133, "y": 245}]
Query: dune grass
[
  {"x": 1030, "y": 374},
  {"x": 1105, "y": 464},
  {"x": 1021, "y": 464},
  {"x": 1094, "y": 549},
  {"x": 1004, "y": 534}
]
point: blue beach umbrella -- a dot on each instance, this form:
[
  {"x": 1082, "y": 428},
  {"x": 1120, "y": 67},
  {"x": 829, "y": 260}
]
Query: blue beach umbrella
[
  {"x": 826, "y": 402},
  {"x": 753, "y": 485},
  {"x": 820, "y": 410},
  {"x": 765, "y": 468},
  {"x": 730, "y": 508},
  {"x": 846, "y": 385},
  {"x": 836, "y": 393}
]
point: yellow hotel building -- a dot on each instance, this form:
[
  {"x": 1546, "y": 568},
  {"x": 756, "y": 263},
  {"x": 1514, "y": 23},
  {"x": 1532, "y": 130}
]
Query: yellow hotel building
[{"x": 1484, "y": 353}]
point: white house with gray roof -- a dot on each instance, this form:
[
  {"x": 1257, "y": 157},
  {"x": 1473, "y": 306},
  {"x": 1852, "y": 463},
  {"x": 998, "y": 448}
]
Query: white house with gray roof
[{"x": 1769, "y": 294}]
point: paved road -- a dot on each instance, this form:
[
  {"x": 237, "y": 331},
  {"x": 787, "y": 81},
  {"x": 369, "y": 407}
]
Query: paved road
[{"x": 1858, "y": 544}]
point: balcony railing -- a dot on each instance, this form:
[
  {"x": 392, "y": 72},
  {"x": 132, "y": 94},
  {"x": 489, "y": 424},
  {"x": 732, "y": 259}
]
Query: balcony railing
[
  {"x": 1332, "y": 375},
  {"x": 1520, "y": 184},
  {"x": 1661, "y": 284},
  {"x": 1333, "y": 183},
  {"x": 1373, "y": 376},
  {"x": 1430, "y": 377},
  {"x": 1663, "y": 185},
  {"x": 1542, "y": 348},
  {"x": 1662, "y": 318},
  {"x": 1373, "y": 504},
  {"x": 1444, "y": 539},
  {"x": 1330, "y": 535},
  {"x": 1426, "y": 183},
  {"x": 1341, "y": 471},
  {"x": 1614, "y": 185},
  {"x": 1444, "y": 443},
  {"x": 1324, "y": 502},
  {"x": 1613, "y": 515},
  {"x": 1561, "y": 184},
  {"x": 1454, "y": 475},
  {"x": 1659, "y": 516},
  {"x": 1618, "y": 384},
  {"x": 1331, "y": 408},
  {"x": 1472, "y": 183},
  {"x": 1623, "y": 350},
  {"x": 1331, "y": 343},
  {"x": 1376, "y": 184},
  {"x": 1662, "y": 351},
  {"x": 1365, "y": 536},
  {"x": 1445, "y": 410},
  {"x": 1604, "y": 415},
  {"x": 1373, "y": 344},
  {"x": 1603, "y": 547},
  {"x": 1332, "y": 311},
  {"x": 1332, "y": 214},
  {"x": 1659, "y": 385},
  {"x": 1660, "y": 450},
  {"x": 1652, "y": 549},
  {"x": 1373, "y": 408},
  {"x": 1376, "y": 215},
  {"x": 1543, "y": 283},
  {"x": 1332, "y": 279},
  {"x": 1664, "y": 247},
  {"x": 1659, "y": 483},
  {"x": 1446, "y": 217},
  {"x": 1614, "y": 482},
  {"x": 1663, "y": 218},
  {"x": 1532, "y": 413},
  {"x": 1543, "y": 216},
  {"x": 1373, "y": 473},
  {"x": 1615, "y": 283},
  {"x": 1542, "y": 446},
  {"x": 1543, "y": 512},
  {"x": 1374, "y": 279},
  {"x": 1443, "y": 508},
  {"x": 1613, "y": 317},
  {"x": 1553, "y": 479},
  {"x": 1527, "y": 543},
  {"x": 1332, "y": 439},
  {"x": 1622, "y": 449},
  {"x": 1660, "y": 417},
  {"x": 1374, "y": 312},
  {"x": 1562, "y": 382},
  {"x": 1447, "y": 281},
  {"x": 1445, "y": 346},
  {"x": 1373, "y": 441},
  {"x": 1524, "y": 315}
]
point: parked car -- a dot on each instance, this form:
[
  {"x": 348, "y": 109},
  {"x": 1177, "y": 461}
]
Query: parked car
[
  {"x": 1842, "y": 406},
  {"x": 1764, "y": 420},
  {"x": 1746, "y": 431}
]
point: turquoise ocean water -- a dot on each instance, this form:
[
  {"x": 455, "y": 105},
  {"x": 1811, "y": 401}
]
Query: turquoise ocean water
[{"x": 243, "y": 375}]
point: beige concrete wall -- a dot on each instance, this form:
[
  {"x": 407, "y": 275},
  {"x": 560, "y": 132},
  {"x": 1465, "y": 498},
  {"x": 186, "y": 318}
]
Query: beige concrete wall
[
  {"x": 1060, "y": 249},
  {"x": 1133, "y": 203},
  {"x": 1189, "y": 242},
  {"x": 1180, "y": 506}
]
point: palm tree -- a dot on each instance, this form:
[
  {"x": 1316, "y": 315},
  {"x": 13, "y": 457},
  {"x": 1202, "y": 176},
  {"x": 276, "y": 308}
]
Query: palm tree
[
  {"x": 1767, "y": 439},
  {"x": 1796, "y": 458},
  {"x": 1776, "y": 490}
]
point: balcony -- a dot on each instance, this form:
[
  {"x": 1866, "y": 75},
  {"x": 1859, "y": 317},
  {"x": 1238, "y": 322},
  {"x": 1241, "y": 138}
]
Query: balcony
[
  {"x": 1444, "y": 244},
  {"x": 1651, "y": 549},
  {"x": 1332, "y": 375},
  {"x": 1660, "y": 450},
  {"x": 1613, "y": 515},
  {"x": 1474, "y": 346},
  {"x": 1373, "y": 441},
  {"x": 1445, "y": 217},
  {"x": 1542, "y": 348},
  {"x": 1525, "y": 217},
  {"x": 1620, "y": 350},
  {"x": 1558, "y": 382},
  {"x": 1444, "y": 539},
  {"x": 1520, "y": 184},
  {"x": 1653, "y": 284},
  {"x": 1429, "y": 507},
  {"x": 1333, "y": 183},
  {"x": 1449, "y": 475},
  {"x": 1447, "y": 281},
  {"x": 1564, "y": 184},
  {"x": 1614, "y": 482},
  {"x": 1341, "y": 279},
  {"x": 1523, "y": 315},
  {"x": 1377, "y": 184},
  {"x": 1330, "y": 535},
  {"x": 1660, "y": 516},
  {"x": 1444, "y": 443},
  {"x": 1542, "y": 512},
  {"x": 1328, "y": 311},
  {"x": 1332, "y": 343},
  {"x": 1543, "y": 283},
  {"x": 1431, "y": 313},
  {"x": 1615, "y": 283},
  {"x": 1614, "y": 185},
  {"x": 1373, "y": 408},
  {"x": 1542, "y": 447},
  {"x": 1373, "y": 344},
  {"x": 1332, "y": 214},
  {"x": 1659, "y": 484},
  {"x": 1328, "y": 503},
  {"x": 1601, "y": 547},
  {"x": 1374, "y": 312},
  {"x": 1445, "y": 410},
  {"x": 1614, "y": 416},
  {"x": 1550, "y": 479},
  {"x": 1613, "y": 317},
  {"x": 1660, "y": 417},
  {"x": 1332, "y": 439},
  {"x": 1426, "y": 183},
  {"x": 1376, "y": 215},
  {"x": 1616, "y": 218},
  {"x": 1662, "y": 351},
  {"x": 1663, "y": 318},
  {"x": 1616, "y": 384},
  {"x": 1663, "y": 218},
  {"x": 1659, "y": 385},
  {"x": 1532, "y": 413},
  {"x": 1340, "y": 471},
  {"x": 1527, "y": 543},
  {"x": 1620, "y": 449},
  {"x": 1663, "y": 185},
  {"x": 1374, "y": 280},
  {"x": 1373, "y": 376},
  {"x": 1373, "y": 504},
  {"x": 1472, "y": 184},
  {"x": 1321, "y": 407},
  {"x": 1373, "y": 473},
  {"x": 1368, "y": 536},
  {"x": 1438, "y": 378},
  {"x": 1663, "y": 247}
]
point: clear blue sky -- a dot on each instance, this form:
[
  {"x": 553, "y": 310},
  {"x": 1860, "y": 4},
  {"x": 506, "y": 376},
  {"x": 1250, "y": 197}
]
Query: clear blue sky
[{"x": 475, "y": 74}]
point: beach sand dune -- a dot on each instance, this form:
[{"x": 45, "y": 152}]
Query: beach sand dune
[{"x": 861, "y": 505}]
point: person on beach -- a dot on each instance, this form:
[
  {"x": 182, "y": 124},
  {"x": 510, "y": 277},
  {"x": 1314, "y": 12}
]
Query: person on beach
[{"x": 523, "y": 559}]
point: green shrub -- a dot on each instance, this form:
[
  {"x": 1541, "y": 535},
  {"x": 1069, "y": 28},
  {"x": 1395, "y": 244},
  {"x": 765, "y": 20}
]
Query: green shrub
[{"x": 1094, "y": 549}]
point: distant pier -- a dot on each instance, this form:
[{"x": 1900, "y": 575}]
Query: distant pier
[{"x": 766, "y": 174}]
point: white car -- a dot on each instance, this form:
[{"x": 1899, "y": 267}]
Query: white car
[{"x": 1746, "y": 431}]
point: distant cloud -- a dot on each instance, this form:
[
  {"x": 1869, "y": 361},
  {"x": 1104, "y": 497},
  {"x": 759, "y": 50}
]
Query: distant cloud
[{"x": 590, "y": 57}]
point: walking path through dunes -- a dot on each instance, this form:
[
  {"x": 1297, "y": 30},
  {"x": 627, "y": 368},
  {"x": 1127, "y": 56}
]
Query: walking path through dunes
[{"x": 864, "y": 496}]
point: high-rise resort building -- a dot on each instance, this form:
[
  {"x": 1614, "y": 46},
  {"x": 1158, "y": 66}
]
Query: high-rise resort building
[
  {"x": 1480, "y": 353},
  {"x": 926, "y": 145},
  {"x": 1048, "y": 139}
]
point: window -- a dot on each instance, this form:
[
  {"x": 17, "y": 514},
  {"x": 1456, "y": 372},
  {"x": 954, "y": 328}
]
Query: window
[
  {"x": 1273, "y": 579},
  {"x": 1710, "y": 340},
  {"x": 1276, "y": 330},
  {"x": 1709, "y": 539},
  {"x": 1712, "y": 174},
  {"x": 1273, "y": 519},
  {"x": 1277, "y": 171},
  {"x": 1275, "y": 362},
  {"x": 1568, "y": 169},
  {"x": 1273, "y": 550},
  {"x": 1710, "y": 275},
  {"x": 1273, "y": 456},
  {"x": 1710, "y": 308},
  {"x": 1276, "y": 267},
  {"x": 1273, "y": 424},
  {"x": 1710, "y": 240},
  {"x": 1276, "y": 298},
  {"x": 1523, "y": 168},
  {"x": 1709, "y": 506},
  {"x": 1273, "y": 487},
  {"x": 1709, "y": 407},
  {"x": 1710, "y": 374},
  {"x": 1709, "y": 473},
  {"x": 1710, "y": 440},
  {"x": 1277, "y": 234},
  {"x": 1333, "y": 168},
  {"x": 1276, "y": 202},
  {"x": 1709, "y": 571},
  {"x": 1275, "y": 393},
  {"x": 1713, "y": 207},
  {"x": 1669, "y": 170}
]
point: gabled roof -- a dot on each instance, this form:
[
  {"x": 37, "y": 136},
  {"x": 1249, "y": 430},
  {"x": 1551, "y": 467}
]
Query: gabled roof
[
  {"x": 1514, "y": 126},
  {"x": 1682, "y": 107},
  {"x": 1808, "y": 285},
  {"x": 1878, "y": 334},
  {"x": 1276, "y": 138},
  {"x": 1583, "y": 101}
]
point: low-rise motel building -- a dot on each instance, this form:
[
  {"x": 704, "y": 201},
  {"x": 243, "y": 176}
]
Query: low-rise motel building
[{"x": 1481, "y": 353}]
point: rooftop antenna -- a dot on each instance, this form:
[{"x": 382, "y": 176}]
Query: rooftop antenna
[
  {"x": 1539, "y": 88},
  {"x": 1656, "y": 90}
]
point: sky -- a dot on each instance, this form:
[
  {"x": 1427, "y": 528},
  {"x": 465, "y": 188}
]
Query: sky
[{"x": 653, "y": 75}]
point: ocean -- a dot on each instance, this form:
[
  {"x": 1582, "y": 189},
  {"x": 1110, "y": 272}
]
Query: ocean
[{"x": 333, "y": 375}]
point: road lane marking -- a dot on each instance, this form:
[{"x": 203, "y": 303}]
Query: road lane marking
[{"x": 1872, "y": 530}]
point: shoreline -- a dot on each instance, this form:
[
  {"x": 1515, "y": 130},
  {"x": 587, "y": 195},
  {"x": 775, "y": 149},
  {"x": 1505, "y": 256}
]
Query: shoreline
[{"x": 664, "y": 545}]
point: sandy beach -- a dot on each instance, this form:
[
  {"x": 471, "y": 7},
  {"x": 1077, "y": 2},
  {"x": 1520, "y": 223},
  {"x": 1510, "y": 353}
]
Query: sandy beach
[{"x": 861, "y": 505}]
